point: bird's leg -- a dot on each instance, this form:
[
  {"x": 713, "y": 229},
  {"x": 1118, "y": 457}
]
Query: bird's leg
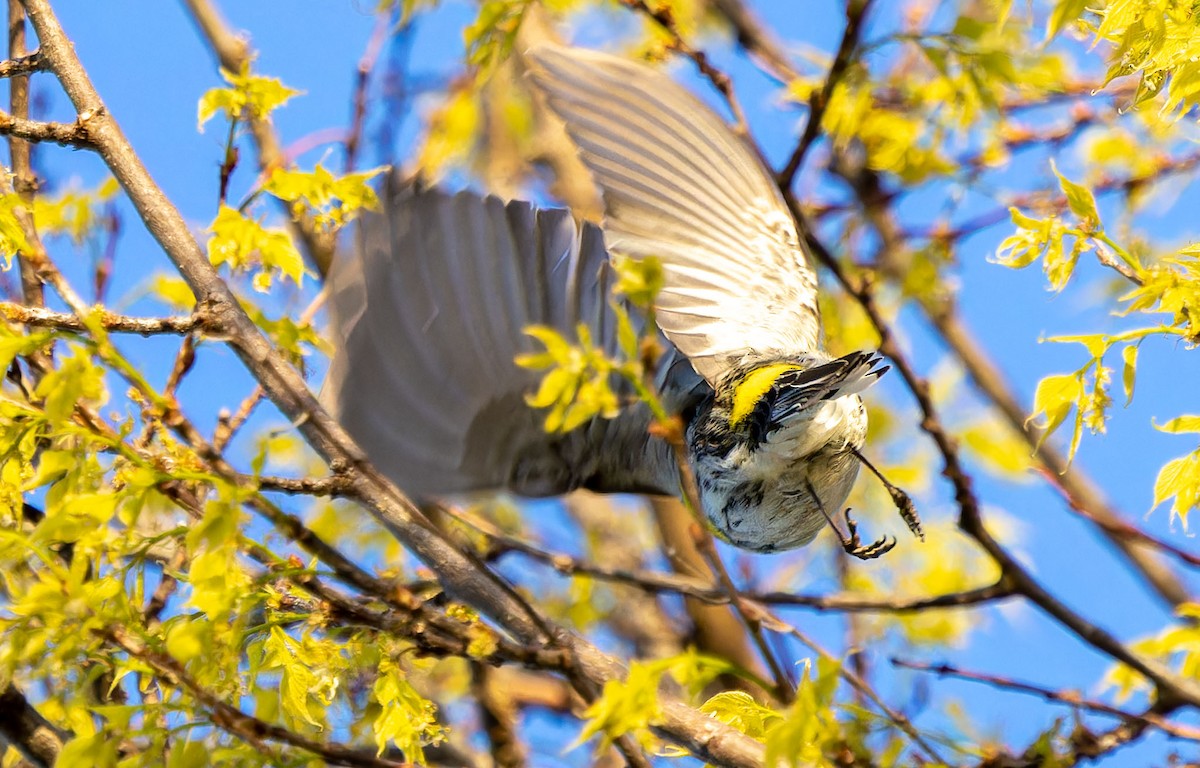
[
  {"x": 851, "y": 543},
  {"x": 904, "y": 503}
]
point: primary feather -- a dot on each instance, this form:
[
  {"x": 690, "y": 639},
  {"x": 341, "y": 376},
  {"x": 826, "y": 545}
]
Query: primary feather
[
  {"x": 679, "y": 185},
  {"x": 428, "y": 318}
]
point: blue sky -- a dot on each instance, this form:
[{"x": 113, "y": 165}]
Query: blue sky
[{"x": 152, "y": 72}]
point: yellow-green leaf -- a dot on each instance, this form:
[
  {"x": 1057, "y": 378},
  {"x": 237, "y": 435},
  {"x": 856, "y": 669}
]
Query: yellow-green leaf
[
  {"x": 1180, "y": 424},
  {"x": 248, "y": 97},
  {"x": 1129, "y": 370},
  {"x": 242, "y": 242},
  {"x": 1054, "y": 398},
  {"x": 1080, "y": 200},
  {"x": 1179, "y": 478},
  {"x": 1065, "y": 12}
]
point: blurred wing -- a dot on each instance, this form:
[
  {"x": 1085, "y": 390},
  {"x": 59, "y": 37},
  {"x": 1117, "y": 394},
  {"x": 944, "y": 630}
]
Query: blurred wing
[
  {"x": 679, "y": 185},
  {"x": 428, "y": 317}
]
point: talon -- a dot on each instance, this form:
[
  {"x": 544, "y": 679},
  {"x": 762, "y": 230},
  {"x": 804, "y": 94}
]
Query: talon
[
  {"x": 877, "y": 549},
  {"x": 851, "y": 543},
  {"x": 851, "y": 526}
]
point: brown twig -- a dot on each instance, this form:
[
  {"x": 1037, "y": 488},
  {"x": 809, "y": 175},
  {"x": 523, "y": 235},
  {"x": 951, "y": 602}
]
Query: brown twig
[
  {"x": 1066, "y": 698},
  {"x": 721, "y": 81},
  {"x": 362, "y": 77},
  {"x": 21, "y": 65},
  {"x": 702, "y": 589},
  {"x": 856, "y": 14},
  {"x": 41, "y": 317},
  {"x": 24, "y": 181},
  {"x": 228, "y": 424},
  {"x": 24, "y": 729},
  {"x": 67, "y": 134}
]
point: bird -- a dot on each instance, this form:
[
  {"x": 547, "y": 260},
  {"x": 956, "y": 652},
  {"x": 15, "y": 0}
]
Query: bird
[{"x": 431, "y": 311}]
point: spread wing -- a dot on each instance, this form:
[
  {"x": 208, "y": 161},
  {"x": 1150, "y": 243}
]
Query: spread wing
[
  {"x": 427, "y": 317},
  {"x": 679, "y": 185}
]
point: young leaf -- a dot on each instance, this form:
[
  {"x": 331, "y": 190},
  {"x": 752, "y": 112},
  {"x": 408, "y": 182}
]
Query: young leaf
[
  {"x": 1054, "y": 398},
  {"x": 1180, "y": 425},
  {"x": 1065, "y": 12},
  {"x": 1179, "y": 478},
  {"x": 1081, "y": 201},
  {"x": 1129, "y": 370},
  {"x": 238, "y": 240},
  {"x": 626, "y": 706},
  {"x": 249, "y": 97}
]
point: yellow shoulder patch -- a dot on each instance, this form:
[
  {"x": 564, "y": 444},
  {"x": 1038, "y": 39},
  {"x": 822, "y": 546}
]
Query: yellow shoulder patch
[{"x": 748, "y": 391}]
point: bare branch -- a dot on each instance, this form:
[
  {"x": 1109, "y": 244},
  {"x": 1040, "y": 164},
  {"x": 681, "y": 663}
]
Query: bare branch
[
  {"x": 22, "y": 65},
  {"x": 24, "y": 729},
  {"x": 856, "y": 14},
  {"x": 41, "y": 317},
  {"x": 1072, "y": 699},
  {"x": 69, "y": 135},
  {"x": 702, "y": 589}
]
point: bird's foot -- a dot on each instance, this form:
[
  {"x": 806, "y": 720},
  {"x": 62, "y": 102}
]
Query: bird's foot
[{"x": 853, "y": 545}]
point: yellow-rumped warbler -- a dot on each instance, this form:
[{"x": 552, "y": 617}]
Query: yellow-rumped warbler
[{"x": 430, "y": 315}]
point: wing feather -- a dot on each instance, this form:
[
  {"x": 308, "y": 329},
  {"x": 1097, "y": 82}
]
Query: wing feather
[
  {"x": 428, "y": 317},
  {"x": 678, "y": 184}
]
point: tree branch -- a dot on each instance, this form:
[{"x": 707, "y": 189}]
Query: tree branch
[
  {"x": 69, "y": 135},
  {"x": 22, "y": 65},
  {"x": 856, "y": 14},
  {"x": 1072, "y": 699},
  {"x": 23, "y": 728},
  {"x": 40, "y": 317}
]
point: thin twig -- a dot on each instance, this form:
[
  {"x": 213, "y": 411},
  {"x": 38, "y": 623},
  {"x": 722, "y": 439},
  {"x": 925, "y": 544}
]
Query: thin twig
[
  {"x": 68, "y": 134},
  {"x": 721, "y": 81},
  {"x": 22, "y": 65},
  {"x": 41, "y": 317},
  {"x": 1067, "y": 698},
  {"x": 228, "y": 424},
  {"x": 362, "y": 77},
  {"x": 702, "y": 589},
  {"x": 856, "y": 13}
]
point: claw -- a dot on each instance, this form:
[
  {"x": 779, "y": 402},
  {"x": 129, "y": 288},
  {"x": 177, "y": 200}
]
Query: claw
[{"x": 851, "y": 543}]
